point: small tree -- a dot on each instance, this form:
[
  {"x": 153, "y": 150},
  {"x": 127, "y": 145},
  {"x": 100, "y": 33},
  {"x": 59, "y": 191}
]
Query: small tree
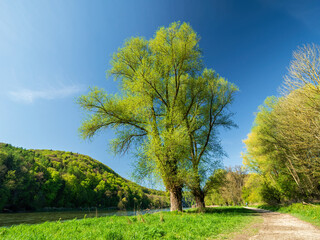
[{"x": 226, "y": 186}]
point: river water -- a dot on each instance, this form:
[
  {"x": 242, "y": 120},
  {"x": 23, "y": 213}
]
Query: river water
[{"x": 9, "y": 219}]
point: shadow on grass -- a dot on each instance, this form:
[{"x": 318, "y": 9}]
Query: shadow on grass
[
  {"x": 273, "y": 208},
  {"x": 225, "y": 210}
]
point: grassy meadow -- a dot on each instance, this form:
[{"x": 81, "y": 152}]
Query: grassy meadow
[
  {"x": 214, "y": 223},
  {"x": 306, "y": 212}
]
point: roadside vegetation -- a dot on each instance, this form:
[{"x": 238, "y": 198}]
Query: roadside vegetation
[
  {"x": 306, "y": 212},
  {"x": 281, "y": 162},
  {"x": 213, "y": 223},
  {"x": 283, "y": 148}
]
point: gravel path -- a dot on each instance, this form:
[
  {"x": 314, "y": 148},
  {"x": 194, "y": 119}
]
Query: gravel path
[{"x": 279, "y": 226}]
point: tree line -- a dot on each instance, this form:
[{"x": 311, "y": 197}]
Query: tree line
[
  {"x": 37, "y": 179},
  {"x": 227, "y": 186},
  {"x": 283, "y": 148},
  {"x": 282, "y": 158}
]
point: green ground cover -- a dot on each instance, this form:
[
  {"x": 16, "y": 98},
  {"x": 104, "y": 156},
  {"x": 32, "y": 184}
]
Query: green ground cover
[
  {"x": 214, "y": 223},
  {"x": 309, "y": 213}
]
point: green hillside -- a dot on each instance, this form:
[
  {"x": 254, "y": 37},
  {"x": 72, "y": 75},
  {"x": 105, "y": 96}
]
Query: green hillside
[{"x": 37, "y": 179}]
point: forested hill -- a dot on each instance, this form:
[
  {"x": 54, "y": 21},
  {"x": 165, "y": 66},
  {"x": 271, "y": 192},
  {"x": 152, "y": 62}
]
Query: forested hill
[{"x": 37, "y": 179}]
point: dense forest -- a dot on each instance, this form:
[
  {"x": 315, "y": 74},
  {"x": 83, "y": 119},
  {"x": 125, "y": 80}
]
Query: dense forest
[{"x": 37, "y": 179}]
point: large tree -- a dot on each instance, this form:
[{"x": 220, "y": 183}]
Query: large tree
[
  {"x": 167, "y": 98},
  {"x": 208, "y": 100}
]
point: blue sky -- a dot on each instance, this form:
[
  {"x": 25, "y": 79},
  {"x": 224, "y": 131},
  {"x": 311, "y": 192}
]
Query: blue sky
[{"x": 51, "y": 52}]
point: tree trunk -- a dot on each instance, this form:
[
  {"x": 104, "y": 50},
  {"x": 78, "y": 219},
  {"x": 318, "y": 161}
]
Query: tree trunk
[
  {"x": 176, "y": 199},
  {"x": 199, "y": 197},
  {"x": 196, "y": 190}
]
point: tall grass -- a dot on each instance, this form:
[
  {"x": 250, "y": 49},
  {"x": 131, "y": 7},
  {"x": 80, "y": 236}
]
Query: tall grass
[{"x": 164, "y": 225}]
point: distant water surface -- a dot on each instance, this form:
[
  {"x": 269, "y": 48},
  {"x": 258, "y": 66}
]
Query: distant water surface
[{"x": 9, "y": 219}]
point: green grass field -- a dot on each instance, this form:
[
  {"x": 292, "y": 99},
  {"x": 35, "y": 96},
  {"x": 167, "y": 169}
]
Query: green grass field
[
  {"x": 308, "y": 213},
  {"x": 214, "y": 223}
]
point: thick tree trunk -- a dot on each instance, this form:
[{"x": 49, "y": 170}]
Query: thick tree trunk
[
  {"x": 176, "y": 199},
  {"x": 200, "y": 201},
  {"x": 196, "y": 190},
  {"x": 199, "y": 197}
]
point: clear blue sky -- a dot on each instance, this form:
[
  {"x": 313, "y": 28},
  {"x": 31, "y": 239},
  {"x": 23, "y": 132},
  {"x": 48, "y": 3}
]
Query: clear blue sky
[{"x": 51, "y": 52}]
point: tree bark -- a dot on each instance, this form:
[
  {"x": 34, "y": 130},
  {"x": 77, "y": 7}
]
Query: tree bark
[
  {"x": 176, "y": 198},
  {"x": 199, "y": 197},
  {"x": 200, "y": 201}
]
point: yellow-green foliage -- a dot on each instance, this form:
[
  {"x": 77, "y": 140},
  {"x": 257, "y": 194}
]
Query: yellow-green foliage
[
  {"x": 283, "y": 149},
  {"x": 226, "y": 186},
  {"x": 169, "y": 107},
  {"x": 283, "y": 146},
  {"x": 251, "y": 191}
]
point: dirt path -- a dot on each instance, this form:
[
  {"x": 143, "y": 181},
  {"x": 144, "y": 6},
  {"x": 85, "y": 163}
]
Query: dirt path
[{"x": 279, "y": 226}]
